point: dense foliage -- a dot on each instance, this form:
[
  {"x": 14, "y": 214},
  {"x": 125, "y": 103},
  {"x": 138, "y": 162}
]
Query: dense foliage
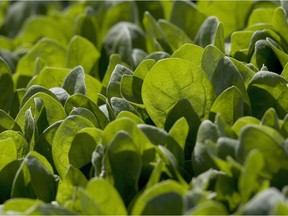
[{"x": 134, "y": 107}]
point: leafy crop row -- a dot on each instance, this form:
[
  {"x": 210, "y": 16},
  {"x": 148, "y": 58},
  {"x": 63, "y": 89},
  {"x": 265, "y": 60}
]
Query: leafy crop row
[{"x": 134, "y": 107}]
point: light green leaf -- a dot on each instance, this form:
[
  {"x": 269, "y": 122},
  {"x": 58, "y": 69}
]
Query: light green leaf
[
  {"x": 33, "y": 30},
  {"x": 175, "y": 36},
  {"x": 53, "y": 53},
  {"x": 179, "y": 131},
  {"x": 271, "y": 119},
  {"x": 105, "y": 195},
  {"x": 190, "y": 52},
  {"x": 171, "y": 80},
  {"x": 7, "y": 122},
  {"x": 63, "y": 140},
  {"x": 209, "y": 207},
  {"x": 240, "y": 41},
  {"x": 20, "y": 205},
  {"x": 9, "y": 152},
  {"x": 72, "y": 179},
  {"x": 242, "y": 122},
  {"x": 229, "y": 104},
  {"x": 249, "y": 181},
  {"x": 181, "y": 15},
  {"x": 222, "y": 10},
  {"x": 82, "y": 52},
  {"x": 164, "y": 198}
]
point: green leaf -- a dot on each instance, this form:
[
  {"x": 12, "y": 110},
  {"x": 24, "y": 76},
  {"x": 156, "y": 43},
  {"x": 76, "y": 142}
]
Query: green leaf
[
  {"x": 163, "y": 198},
  {"x": 181, "y": 15},
  {"x": 156, "y": 39},
  {"x": 131, "y": 88},
  {"x": 175, "y": 36},
  {"x": 7, "y": 174},
  {"x": 171, "y": 80},
  {"x": 20, "y": 142},
  {"x": 6, "y": 85},
  {"x": 229, "y": 104},
  {"x": 9, "y": 152},
  {"x": 75, "y": 81},
  {"x": 158, "y": 136},
  {"x": 105, "y": 195},
  {"x": 209, "y": 207},
  {"x": 53, "y": 53},
  {"x": 120, "y": 104},
  {"x": 33, "y": 30},
  {"x": 83, "y": 145},
  {"x": 51, "y": 77},
  {"x": 87, "y": 27},
  {"x": 53, "y": 110},
  {"x": 114, "y": 86},
  {"x": 267, "y": 90},
  {"x": 279, "y": 22},
  {"x": 246, "y": 73},
  {"x": 264, "y": 55},
  {"x": 63, "y": 140},
  {"x": 183, "y": 108},
  {"x": 82, "y": 52},
  {"x": 121, "y": 11},
  {"x": 122, "y": 38},
  {"x": 242, "y": 122},
  {"x": 222, "y": 10},
  {"x": 114, "y": 59},
  {"x": 20, "y": 205},
  {"x": 79, "y": 100},
  {"x": 18, "y": 13},
  {"x": 271, "y": 119},
  {"x": 72, "y": 179},
  {"x": 189, "y": 52},
  {"x": 179, "y": 131},
  {"x": 131, "y": 116},
  {"x": 201, "y": 160},
  {"x": 249, "y": 181},
  {"x": 140, "y": 140},
  {"x": 125, "y": 161},
  {"x": 240, "y": 41},
  {"x": 211, "y": 32},
  {"x": 34, "y": 179},
  {"x": 7, "y": 122},
  {"x": 85, "y": 113},
  {"x": 34, "y": 89},
  {"x": 43, "y": 144},
  {"x": 269, "y": 143},
  {"x": 263, "y": 202}
]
